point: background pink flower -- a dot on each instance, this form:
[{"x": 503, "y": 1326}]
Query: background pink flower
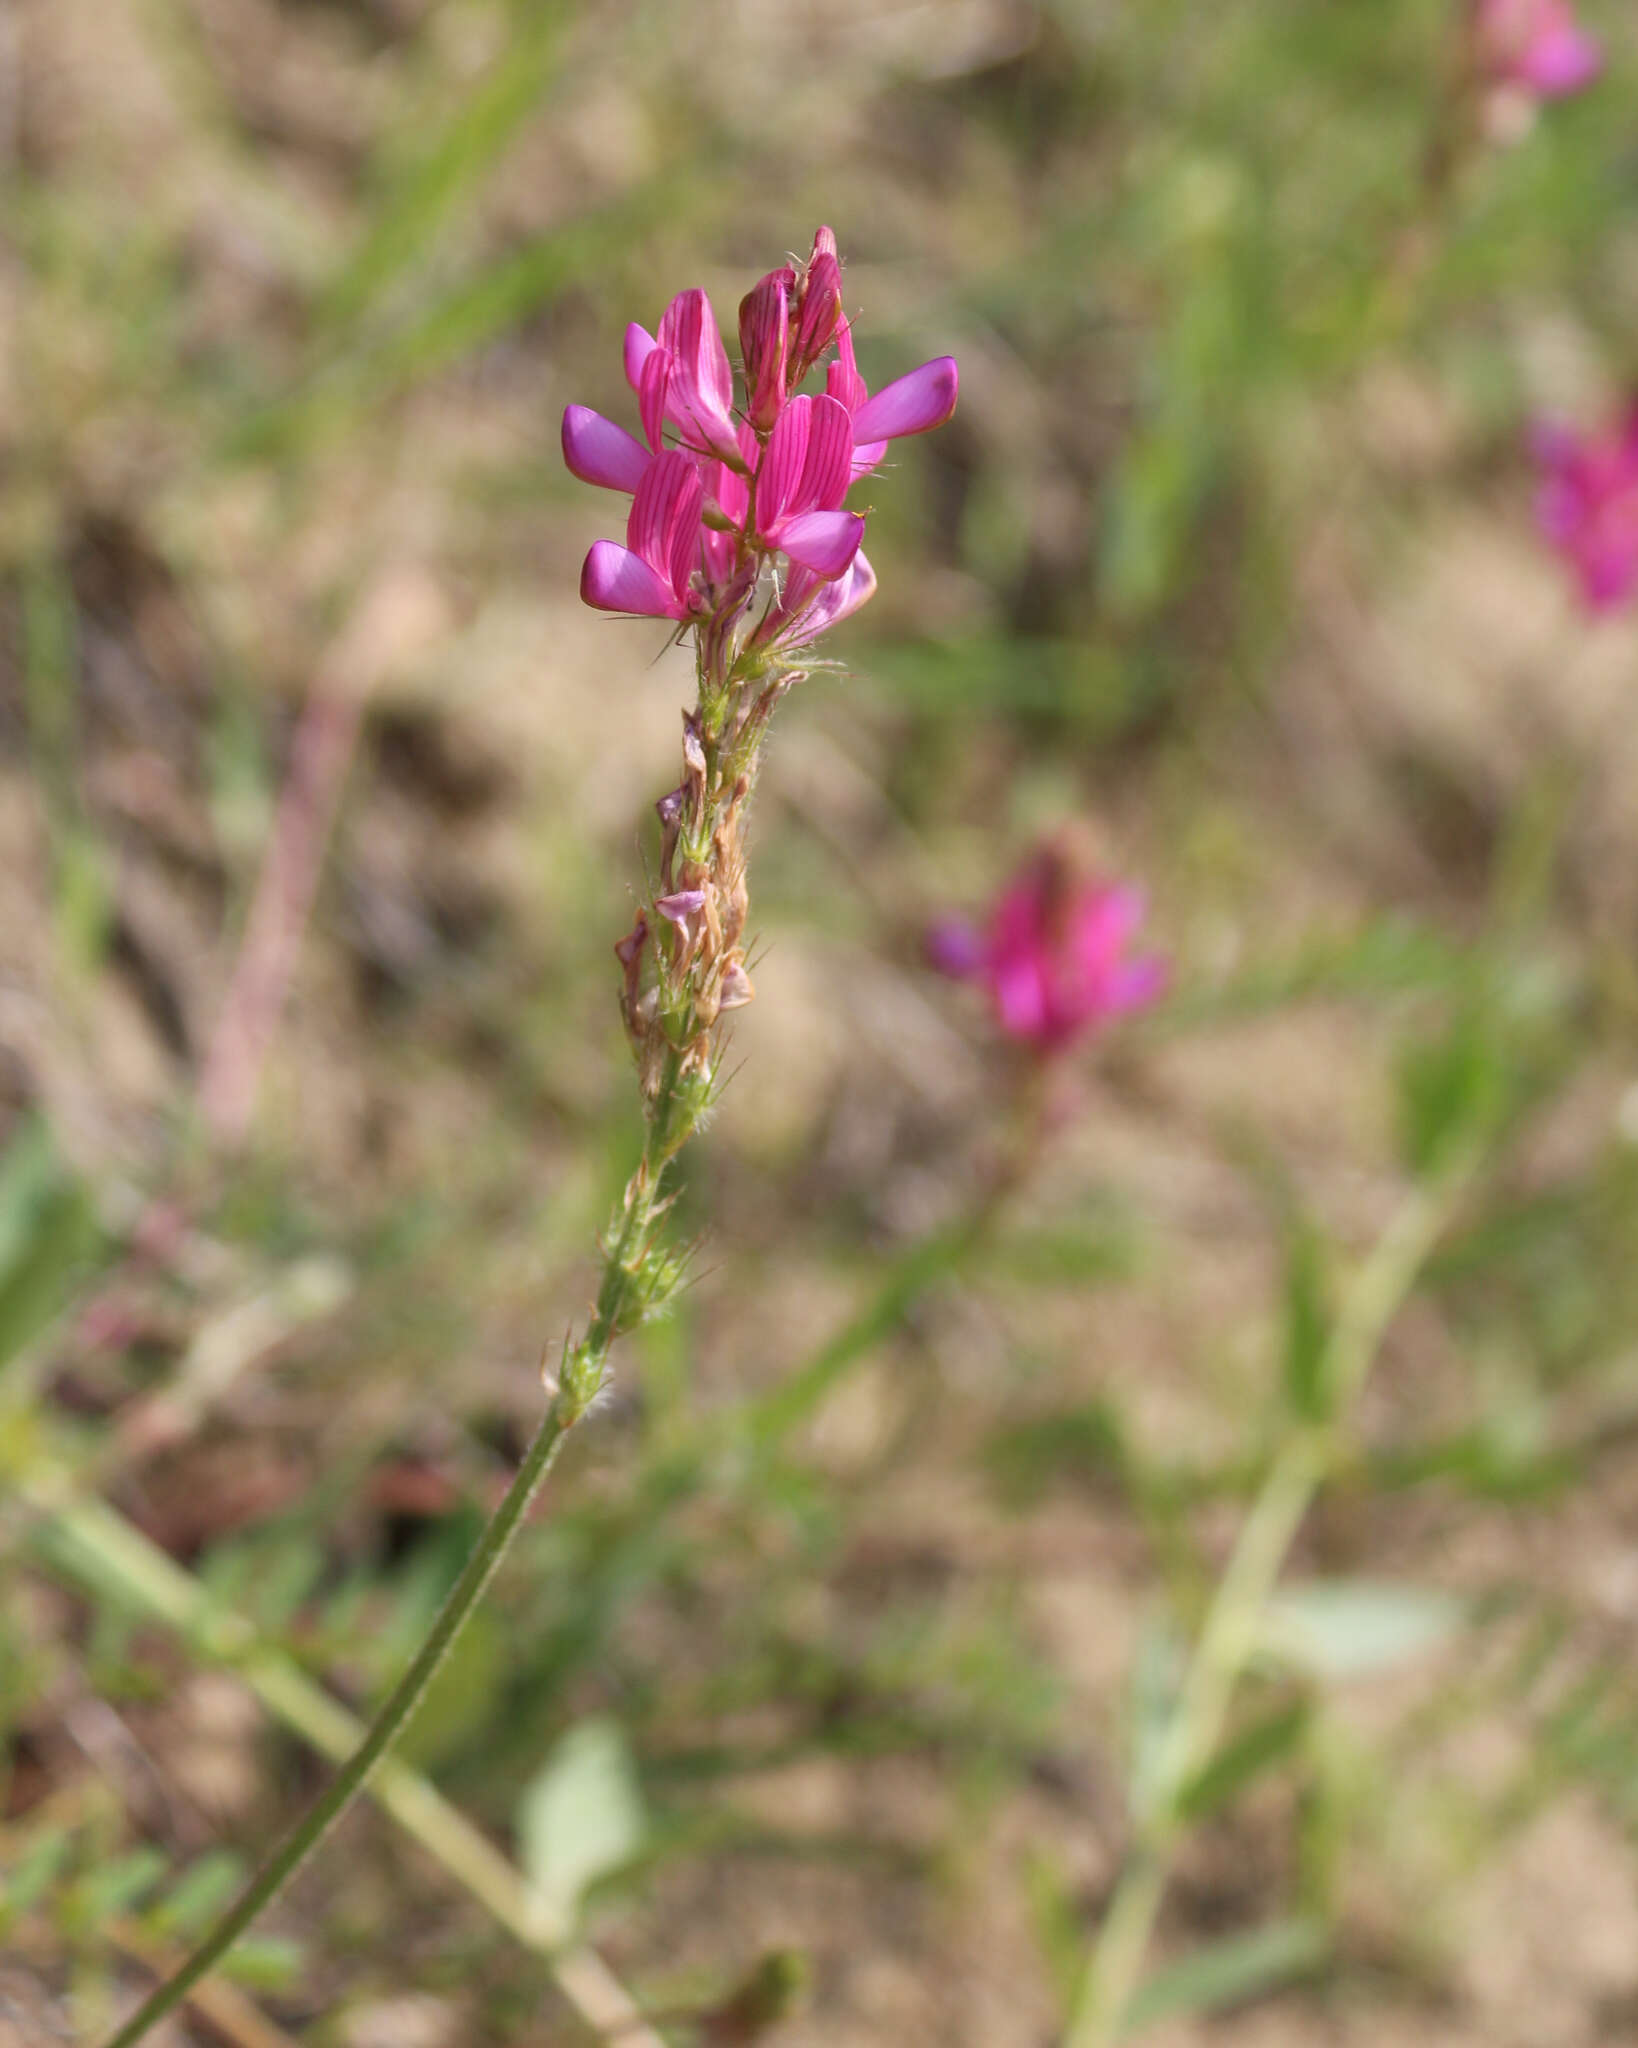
[
  {"x": 1588, "y": 505},
  {"x": 1056, "y": 953}
]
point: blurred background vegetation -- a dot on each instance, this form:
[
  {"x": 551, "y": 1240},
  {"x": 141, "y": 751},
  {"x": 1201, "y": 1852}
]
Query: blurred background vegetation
[{"x": 844, "y": 1622}]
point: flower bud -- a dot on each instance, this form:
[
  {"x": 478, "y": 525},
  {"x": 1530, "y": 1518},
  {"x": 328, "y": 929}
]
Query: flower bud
[
  {"x": 764, "y": 338},
  {"x": 819, "y": 306}
]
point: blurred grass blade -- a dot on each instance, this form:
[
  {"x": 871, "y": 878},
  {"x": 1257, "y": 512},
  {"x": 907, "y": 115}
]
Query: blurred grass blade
[
  {"x": 1267, "y": 1742},
  {"x": 420, "y": 197},
  {"x": 1231, "y": 1971}
]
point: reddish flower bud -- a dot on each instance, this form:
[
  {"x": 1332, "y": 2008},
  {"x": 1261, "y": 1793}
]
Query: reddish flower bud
[
  {"x": 764, "y": 338},
  {"x": 818, "y": 308}
]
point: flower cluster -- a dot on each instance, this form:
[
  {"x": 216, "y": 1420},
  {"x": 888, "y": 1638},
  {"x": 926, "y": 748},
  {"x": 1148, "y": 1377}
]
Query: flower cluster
[
  {"x": 739, "y": 531},
  {"x": 1535, "y": 48},
  {"x": 1056, "y": 953},
  {"x": 1588, "y": 505},
  {"x": 735, "y": 489}
]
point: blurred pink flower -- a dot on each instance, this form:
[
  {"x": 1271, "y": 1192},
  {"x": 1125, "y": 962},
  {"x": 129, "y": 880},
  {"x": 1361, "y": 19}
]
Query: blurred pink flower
[
  {"x": 1056, "y": 954},
  {"x": 1536, "y": 46},
  {"x": 1588, "y": 505}
]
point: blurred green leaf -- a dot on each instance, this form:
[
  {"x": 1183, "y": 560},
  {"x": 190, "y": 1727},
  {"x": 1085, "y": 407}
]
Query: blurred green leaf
[
  {"x": 1231, "y": 1971},
  {"x": 192, "y": 1899},
  {"x": 118, "y": 1886},
  {"x": 582, "y": 1815},
  {"x": 1357, "y": 1628},
  {"x": 1307, "y": 1318},
  {"x": 38, "y": 1868},
  {"x": 1268, "y": 1741}
]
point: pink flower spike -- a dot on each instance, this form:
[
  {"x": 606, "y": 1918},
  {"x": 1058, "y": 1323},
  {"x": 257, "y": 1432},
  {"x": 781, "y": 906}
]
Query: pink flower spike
[
  {"x": 599, "y": 452},
  {"x": 1588, "y": 506},
  {"x": 1055, "y": 955},
  {"x": 1535, "y": 45}
]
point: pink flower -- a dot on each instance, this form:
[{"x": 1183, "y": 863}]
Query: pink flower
[
  {"x": 682, "y": 375},
  {"x": 1056, "y": 954},
  {"x": 652, "y": 574},
  {"x": 741, "y": 485},
  {"x": 1536, "y": 46},
  {"x": 800, "y": 485},
  {"x": 809, "y": 606},
  {"x": 912, "y": 404},
  {"x": 1588, "y": 506}
]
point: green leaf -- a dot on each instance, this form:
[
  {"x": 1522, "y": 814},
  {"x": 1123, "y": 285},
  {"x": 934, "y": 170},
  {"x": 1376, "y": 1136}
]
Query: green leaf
[
  {"x": 263, "y": 1962},
  {"x": 1228, "y": 1972},
  {"x": 122, "y": 1884},
  {"x": 1307, "y": 1319},
  {"x": 35, "y": 1872},
  {"x": 582, "y": 1814},
  {"x": 204, "y": 1887},
  {"x": 1266, "y": 1742},
  {"x": 1356, "y": 1628}
]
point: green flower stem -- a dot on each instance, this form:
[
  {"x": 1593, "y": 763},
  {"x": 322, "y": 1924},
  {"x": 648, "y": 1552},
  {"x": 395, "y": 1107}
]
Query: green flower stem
[
  {"x": 621, "y": 1298},
  {"x": 400, "y": 1704},
  {"x": 1234, "y": 1621},
  {"x": 92, "y": 1542}
]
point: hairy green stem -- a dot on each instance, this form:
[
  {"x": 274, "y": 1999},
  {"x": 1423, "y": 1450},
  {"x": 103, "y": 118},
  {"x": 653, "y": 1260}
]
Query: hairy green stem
[
  {"x": 1234, "y": 1622},
  {"x": 400, "y": 1704}
]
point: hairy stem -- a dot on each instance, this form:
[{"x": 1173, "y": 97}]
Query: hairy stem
[{"x": 400, "y": 1704}]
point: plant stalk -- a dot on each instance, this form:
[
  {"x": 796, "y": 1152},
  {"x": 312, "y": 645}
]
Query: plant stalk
[{"x": 1234, "y": 1621}]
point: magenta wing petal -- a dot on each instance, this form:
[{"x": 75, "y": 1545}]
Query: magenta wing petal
[
  {"x": 653, "y": 388},
  {"x": 616, "y": 580},
  {"x": 842, "y": 379},
  {"x": 910, "y": 405},
  {"x": 827, "y": 466},
  {"x": 600, "y": 452},
  {"x": 825, "y": 542},
  {"x": 639, "y": 346},
  {"x": 779, "y": 479},
  {"x": 665, "y": 515}
]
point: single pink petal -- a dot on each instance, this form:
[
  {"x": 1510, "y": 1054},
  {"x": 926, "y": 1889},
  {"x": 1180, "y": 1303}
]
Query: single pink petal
[
  {"x": 639, "y": 346},
  {"x": 910, "y": 405},
  {"x": 866, "y": 458},
  {"x": 668, "y": 498},
  {"x": 653, "y": 388},
  {"x": 600, "y": 452},
  {"x": 702, "y": 391},
  {"x": 809, "y": 606},
  {"x": 779, "y": 478},
  {"x": 682, "y": 533},
  {"x": 842, "y": 379},
  {"x": 825, "y": 542},
  {"x": 827, "y": 465},
  {"x": 616, "y": 580}
]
